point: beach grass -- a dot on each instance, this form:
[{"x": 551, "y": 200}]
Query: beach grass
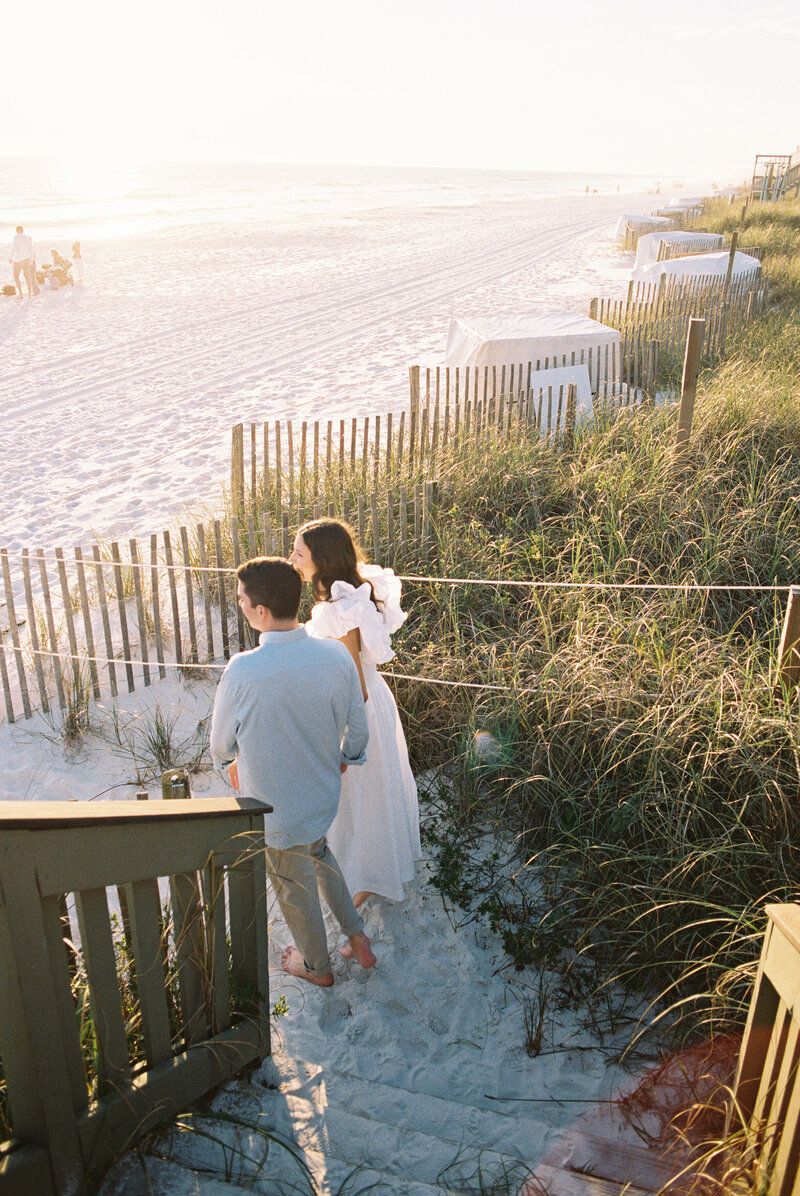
[{"x": 650, "y": 763}]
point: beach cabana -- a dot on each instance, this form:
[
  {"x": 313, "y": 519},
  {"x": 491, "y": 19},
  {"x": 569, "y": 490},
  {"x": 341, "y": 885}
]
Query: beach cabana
[
  {"x": 637, "y": 225},
  {"x": 545, "y": 341},
  {"x": 698, "y": 265},
  {"x": 678, "y": 242}
]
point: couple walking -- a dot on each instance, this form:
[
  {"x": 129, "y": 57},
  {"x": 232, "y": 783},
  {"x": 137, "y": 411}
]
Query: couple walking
[{"x": 306, "y": 722}]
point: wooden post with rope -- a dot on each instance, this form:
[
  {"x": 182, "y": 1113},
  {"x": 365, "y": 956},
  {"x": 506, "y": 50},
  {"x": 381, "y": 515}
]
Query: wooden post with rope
[
  {"x": 789, "y": 649},
  {"x": 691, "y": 368}
]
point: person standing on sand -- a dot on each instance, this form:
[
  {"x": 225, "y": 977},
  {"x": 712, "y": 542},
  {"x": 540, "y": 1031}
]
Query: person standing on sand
[
  {"x": 77, "y": 263},
  {"x": 22, "y": 262},
  {"x": 288, "y": 721}
]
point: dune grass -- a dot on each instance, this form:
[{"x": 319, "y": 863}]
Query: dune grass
[{"x": 648, "y": 772}]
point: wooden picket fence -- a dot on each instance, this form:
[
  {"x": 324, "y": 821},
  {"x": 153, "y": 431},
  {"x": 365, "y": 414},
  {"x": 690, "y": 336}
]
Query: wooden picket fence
[
  {"x": 116, "y": 618},
  {"x": 667, "y": 250},
  {"x": 343, "y": 465},
  {"x": 661, "y": 311},
  {"x": 634, "y": 229}
]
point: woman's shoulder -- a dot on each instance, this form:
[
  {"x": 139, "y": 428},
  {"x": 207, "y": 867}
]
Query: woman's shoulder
[
  {"x": 347, "y": 608},
  {"x": 388, "y": 590}
]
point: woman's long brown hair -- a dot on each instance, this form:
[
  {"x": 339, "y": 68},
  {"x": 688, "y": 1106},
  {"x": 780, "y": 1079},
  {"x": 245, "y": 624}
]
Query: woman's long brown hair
[{"x": 335, "y": 553}]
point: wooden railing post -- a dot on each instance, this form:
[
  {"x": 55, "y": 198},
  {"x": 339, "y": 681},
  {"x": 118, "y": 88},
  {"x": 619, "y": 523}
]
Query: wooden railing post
[
  {"x": 691, "y": 367},
  {"x": 789, "y": 649}
]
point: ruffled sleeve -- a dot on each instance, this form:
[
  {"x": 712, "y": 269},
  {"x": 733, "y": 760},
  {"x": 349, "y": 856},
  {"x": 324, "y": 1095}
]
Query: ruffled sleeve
[{"x": 352, "y": 607}]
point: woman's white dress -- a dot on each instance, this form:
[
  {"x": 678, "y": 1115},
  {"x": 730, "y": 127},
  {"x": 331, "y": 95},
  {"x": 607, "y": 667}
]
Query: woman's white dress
[{"x": 375, "y": 835}]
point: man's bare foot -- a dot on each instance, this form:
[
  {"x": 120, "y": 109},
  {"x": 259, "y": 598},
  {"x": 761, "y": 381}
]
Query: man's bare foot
[
  {"x": 294, "y": 964},
  {"x": 360, "y": 898},
  {"x": 358, "y": 948}
]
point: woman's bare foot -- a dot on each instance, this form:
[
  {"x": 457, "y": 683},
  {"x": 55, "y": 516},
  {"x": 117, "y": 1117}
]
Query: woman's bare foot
[
  {"x": 358, "y": 948},
  {"x": 360, "y": 898},
  {"x": 294, "y": 964}
]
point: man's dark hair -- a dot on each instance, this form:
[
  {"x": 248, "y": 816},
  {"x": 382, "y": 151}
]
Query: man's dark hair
[{"x": 272, "y": 582}]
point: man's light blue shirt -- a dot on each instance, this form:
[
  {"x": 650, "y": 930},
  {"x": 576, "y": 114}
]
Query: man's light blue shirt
[{"x": 290, "y": 712}]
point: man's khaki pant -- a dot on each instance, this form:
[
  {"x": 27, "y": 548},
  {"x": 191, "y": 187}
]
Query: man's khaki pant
[{"x": 299, "y": 876}]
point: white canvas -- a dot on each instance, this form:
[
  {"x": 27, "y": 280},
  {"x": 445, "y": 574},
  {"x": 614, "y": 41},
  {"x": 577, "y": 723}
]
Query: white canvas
[{"x": 549, "y": 339}]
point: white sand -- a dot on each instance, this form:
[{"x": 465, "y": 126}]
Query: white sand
[
  {"x": 117, "y": 401},
  {"x": 118, "y": 396}
]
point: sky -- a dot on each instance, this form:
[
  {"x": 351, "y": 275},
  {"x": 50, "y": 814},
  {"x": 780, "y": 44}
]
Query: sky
[{"x": 691, "y": 88}]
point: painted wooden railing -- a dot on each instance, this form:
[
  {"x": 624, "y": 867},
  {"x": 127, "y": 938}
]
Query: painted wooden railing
[
  {"x": 177, "y": 980},
  {"x": 767, "y": 1087}
]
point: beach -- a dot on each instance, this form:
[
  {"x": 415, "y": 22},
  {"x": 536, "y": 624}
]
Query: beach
[{"x": 118, "y": 395}]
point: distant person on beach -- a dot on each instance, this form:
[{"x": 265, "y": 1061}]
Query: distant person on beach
[
  {"x": 288, "y": 721},
  {"x": 22, "y": 262},
  {"x": 78, "y": 272},
  {"x": 375, "y": 834}
]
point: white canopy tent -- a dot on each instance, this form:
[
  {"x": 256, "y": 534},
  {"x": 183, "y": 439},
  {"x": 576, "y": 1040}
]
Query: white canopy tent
[
  {"x": 648, "y": 245},
  {"x": 546, "y": 340},
  {"x": 697, "y": 265},
  {"x": 642, "y": 224}
]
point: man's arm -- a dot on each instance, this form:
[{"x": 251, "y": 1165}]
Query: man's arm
[
  {"x": 223, "y": 742},
  {"x": 356, "y": 733}
]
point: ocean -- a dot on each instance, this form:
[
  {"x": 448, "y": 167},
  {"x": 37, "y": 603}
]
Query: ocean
[{"x": 84, "y": 200}]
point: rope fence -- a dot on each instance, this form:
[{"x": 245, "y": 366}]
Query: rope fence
[{"x": 497, "y": 582}]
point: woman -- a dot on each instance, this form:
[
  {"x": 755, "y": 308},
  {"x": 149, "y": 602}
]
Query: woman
[{"x": 375, "y": 835}]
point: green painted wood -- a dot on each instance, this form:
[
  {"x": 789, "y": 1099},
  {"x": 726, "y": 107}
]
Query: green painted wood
[
  {"x": 25, "y": 1171},
  {"x": 190, "y": 953},
  {"x": 144, "y": 909},
  {"x": 15, "y": 1045},
  {"x": 68, "y": 1017},
  {"x": 248, "y": 937},
  {"x": 39, "y": 816},
  {"x": 44, "y": 1117},
  {"x": 213, "y": 879},
  {"x": 154, "y": 1098},
  {"x": 99, "y": 960}
]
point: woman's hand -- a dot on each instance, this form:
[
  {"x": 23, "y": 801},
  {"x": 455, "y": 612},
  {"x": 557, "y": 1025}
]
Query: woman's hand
[{"x": 233, "y": 773}]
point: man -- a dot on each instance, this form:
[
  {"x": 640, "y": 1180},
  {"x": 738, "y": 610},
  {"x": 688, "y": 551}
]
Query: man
[
  {"x": 288, "y": 719},
  {"x": 22, "y": 262}
]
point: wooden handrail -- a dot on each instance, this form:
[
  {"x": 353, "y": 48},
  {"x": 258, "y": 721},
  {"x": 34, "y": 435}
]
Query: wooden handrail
[
  {"x": 766, "y": 1092},
  {"x": 68, "y": 1124},
  {"x": 41, "y": 815}
]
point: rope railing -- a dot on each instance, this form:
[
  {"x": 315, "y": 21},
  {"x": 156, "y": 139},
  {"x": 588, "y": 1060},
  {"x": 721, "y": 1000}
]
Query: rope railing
[{"x": 497, "y": 582}]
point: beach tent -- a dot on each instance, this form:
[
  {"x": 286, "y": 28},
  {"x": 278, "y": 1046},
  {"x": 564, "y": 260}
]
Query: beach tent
[
  {"x": 558, "y": 380},
  {"x": 547, "y": 340},
  {"x": 685, "y": 204},
  {"x": 641, "y": 224},
  {"x": 697, "y": 265},
  {"x": 648, "y": 246}
]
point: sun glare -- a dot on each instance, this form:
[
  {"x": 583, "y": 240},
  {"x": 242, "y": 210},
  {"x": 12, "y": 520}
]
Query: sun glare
[{"x": 93, "y": 180}]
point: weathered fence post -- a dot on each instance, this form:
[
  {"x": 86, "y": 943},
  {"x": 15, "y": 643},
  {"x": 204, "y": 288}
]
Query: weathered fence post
[
  {"x": 413, "y": 413},
  {"x": 691, "y": 367},
  {"x": 570, "y": 417},
  {"x": 789, "y": 649},
  {"x": 237, "y": 467},
  {"x": 731, "y": 259}
]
